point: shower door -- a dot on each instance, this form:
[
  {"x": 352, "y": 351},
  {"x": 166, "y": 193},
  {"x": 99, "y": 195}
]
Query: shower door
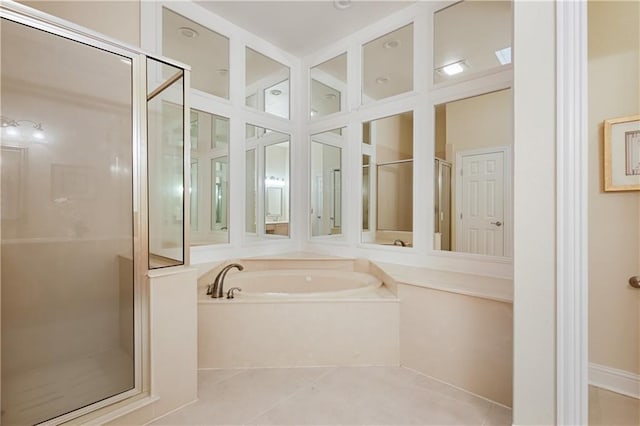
[{"x": 67, "y": 234}]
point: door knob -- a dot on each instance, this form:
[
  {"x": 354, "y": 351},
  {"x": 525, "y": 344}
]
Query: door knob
[
  {"x": 634, "y": 281},
  {"x": 498, "y": 223}
]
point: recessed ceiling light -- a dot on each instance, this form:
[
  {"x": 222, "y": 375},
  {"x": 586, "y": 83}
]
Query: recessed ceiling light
[
  {"x": 504, "y": 55},
  {"x": 330, "y": 96},
  {"x": 452, "y": 69},
  {"x": 342, "y": 4},
  {"x": 391, "y": 44},
  {"x": 276, "y": 92},
  {"x": 188, "y": 32},
  {"x": 382, "y": 80}
]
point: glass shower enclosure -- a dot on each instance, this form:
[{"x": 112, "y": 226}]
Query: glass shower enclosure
[{"x": 75, "y": 235}]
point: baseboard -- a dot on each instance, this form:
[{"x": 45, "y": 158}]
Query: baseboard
[{"x": 619, "y": 381}]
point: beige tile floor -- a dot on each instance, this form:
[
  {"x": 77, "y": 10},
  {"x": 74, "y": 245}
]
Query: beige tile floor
[
  {"x": 332, "y": 396},
  {"x": 609, "y": 408}
]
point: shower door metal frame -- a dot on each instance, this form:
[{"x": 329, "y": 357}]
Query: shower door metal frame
[{"x": 60, "y": 28}]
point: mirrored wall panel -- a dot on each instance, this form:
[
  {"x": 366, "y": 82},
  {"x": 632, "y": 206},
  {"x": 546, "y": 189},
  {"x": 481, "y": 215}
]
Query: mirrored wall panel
[
  {"x": 267, "y": 187},
  {"x": 276, "y": 188},
  {"x": 267, "y": 84},
  {"x": 472, "y": 185},
  {"x": 206, "y": 51},
  {"x": 329, "y": 87},
  {"x": 251, "y": 191},
  {"x": 388, "y": 65},
  {"x": 165, "y": 134},
  {"x": 366, "y": 191},
  {"x": 387, "y": 173},
  {"x": 471, "y": 37},
  {"x": 209, "y": 192},
  {"x": 326, "y": 183}
]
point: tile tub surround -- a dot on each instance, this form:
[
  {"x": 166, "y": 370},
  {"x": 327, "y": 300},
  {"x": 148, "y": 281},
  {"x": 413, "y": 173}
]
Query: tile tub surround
[
  {"x": 463, "y": 340},
  {"x": 244, "y": 332},
  {"x": 287, "y": 333},
  {"x": 447, "y": 328},
  {"x": 331, "y": 396}
]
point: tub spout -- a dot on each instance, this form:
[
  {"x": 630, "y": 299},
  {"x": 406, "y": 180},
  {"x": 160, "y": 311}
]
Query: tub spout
[{"x": 217, "y": 291}]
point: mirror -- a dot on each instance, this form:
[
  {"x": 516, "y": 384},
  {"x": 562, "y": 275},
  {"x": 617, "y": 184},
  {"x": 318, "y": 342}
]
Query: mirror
[
  {"x": 209, "y": 178},
  {"x": 387, "y": 65},
  {"x": 329, "y": 87},
  {"x": 251, "y": 191},
  {"x": 473, "y": 199},
  {"x": 276, "y": 184},
  {"x": 366, "y": 189},
  {"x": 206, "y": 51},
  {"x": 387, "y": 180},
  {"x": 326, "y": 183},
  {"x": 267, "y": 84},
  {"x": 267, "y": 155},
  {"x": 484, "y": 43}
]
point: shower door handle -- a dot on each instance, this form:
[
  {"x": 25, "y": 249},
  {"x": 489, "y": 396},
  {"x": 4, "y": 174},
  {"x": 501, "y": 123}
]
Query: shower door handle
[{"x": 634, "y": 281}]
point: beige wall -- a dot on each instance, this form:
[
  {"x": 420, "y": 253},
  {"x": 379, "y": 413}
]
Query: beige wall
[
  {"x": 116, "y": 19},
  {"x": 480, "y": 122},
  {"x": 614, "y": 218},
  {"x": 393, "y": 137},
  {"x": 463, "y": 340},
  {"x": 483, "y": 121}
]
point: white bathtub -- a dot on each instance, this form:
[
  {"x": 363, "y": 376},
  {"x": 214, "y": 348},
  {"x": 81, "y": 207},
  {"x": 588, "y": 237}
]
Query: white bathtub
[
  {"x": 299, "y": 313},
  {"x": 302, "y": 283}
]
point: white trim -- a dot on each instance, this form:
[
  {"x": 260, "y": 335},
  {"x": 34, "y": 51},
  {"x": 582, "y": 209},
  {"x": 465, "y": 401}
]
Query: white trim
[
  {"x": 615, "y": 380},
  {"x": 572, "y": 206}
]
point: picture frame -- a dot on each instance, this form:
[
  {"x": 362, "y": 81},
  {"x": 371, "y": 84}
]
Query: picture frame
[{"x": 622, "y": 154}]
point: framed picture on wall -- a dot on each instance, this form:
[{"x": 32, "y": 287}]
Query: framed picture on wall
[{"x": 622, "y": 154}]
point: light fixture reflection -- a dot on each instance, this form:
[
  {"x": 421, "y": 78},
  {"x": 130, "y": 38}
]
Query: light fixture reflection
[
  {"x": 453, "y": 68},
  {"x": 274, "y": 181},
  {"x": 14, "y": 129}
]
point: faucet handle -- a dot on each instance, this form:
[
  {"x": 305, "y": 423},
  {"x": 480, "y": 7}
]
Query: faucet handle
[
  {"x": 209, "y": 289},
  {"x": 230, "y": 292}
]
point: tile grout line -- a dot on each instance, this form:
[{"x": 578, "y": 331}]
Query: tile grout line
[{"x": 286, "y": 398}]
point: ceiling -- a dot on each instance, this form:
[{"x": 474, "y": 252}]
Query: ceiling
[{"x": 302, "y": 27}]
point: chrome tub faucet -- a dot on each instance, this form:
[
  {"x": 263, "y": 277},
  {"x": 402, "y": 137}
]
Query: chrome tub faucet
[{"x": 216, "y": 288}]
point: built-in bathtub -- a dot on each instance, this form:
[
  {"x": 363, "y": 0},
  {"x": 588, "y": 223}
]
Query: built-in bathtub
[
  {"x": 304, "y": 283},
  {"x": 299, "y": 313}
]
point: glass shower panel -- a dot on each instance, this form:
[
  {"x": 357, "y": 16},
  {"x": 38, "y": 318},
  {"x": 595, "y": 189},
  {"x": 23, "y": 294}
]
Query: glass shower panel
[
  {"x": 165, "y": 133},
  {"x": 67, "y": 225}
]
